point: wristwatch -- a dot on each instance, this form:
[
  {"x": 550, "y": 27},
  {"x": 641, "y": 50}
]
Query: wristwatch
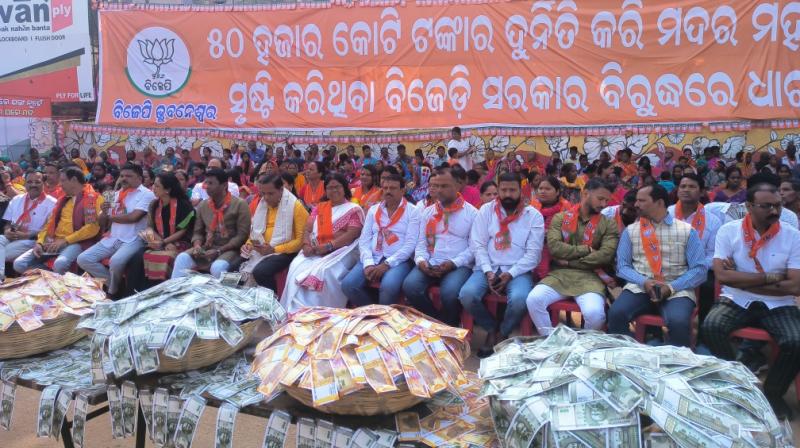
[{"x": 329, "y": 247}]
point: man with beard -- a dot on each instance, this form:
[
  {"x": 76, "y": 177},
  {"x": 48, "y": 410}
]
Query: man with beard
[
  {"x": 662, "y": 259},
  {"x": 386, "y": 245},
  {"x": 757, "y": 260},
  {"x": 24, "y": 218},
  {"x": 442, "y": 254},
  {"x": 689, "y": 209},
  {"x": 507, "y": 239},
  {"x": 127, "y": 219},
  {"x": 582, "y": 245},
  {"x": 626, "y": 213}
]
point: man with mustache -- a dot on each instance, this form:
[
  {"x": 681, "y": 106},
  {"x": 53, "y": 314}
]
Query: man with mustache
[
  {"x": 757, "y": 261},
  {"x": 24, "y": 217},
  {"x": 507, "y": 239},
  {"x": 127, "y": 219}
]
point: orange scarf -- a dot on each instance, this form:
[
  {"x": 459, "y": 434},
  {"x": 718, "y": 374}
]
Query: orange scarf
[
  {"x": 27, "y": 208},
  {"x": 383, "y": 231},
  {"x": 368, "y": 199},
  {"x": 441, "y": 213},
  {"x": 218, "y": 221},
  {"x": 570, "y": 225},
  {"x": 313, "y": 196},
  {"x": 254, "y": 205},
  {"x": 324, "y": 223},
  {"x": 55, "y": 192},
  {"x": 750, "y": 238},
  {"x": 123, "y": 194},
  {"x": 88, "y": 197},
  {"x": 699, "y": 221},
  {"x": 652, "y": 247},
  {"x": 618, "y": 218},
  {"x": 535, "y": 203},
  {"x": 173, "y": 213},
  {"x": 502, "y": 239}
]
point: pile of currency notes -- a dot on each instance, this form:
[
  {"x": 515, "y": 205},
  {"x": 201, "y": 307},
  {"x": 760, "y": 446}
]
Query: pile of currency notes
[
  {"x": 167, "y": 318},
  {"x": 593, "y": 389},
  {"x": 42, "y": 295},
  {"x": 334, "y": 352}
]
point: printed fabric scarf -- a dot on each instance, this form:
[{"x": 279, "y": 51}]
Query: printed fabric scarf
[
  {"x": 383, "y": 231},
  {"x": 750, "y": 238},
  {"x": 218, "y": 220},
  {"x": 173, "y": 213},
  {"x": 502, "y": 239},
  {"x": 441, "y": 214},
  {"x": 699, "y": 221},
  {"x": 652, "y": 247},
  {"x": 89, "y": 213},
  {"x": 28, "y": 207},
  {"x": 569, "y": 226},
  {"x": 324, "y": 223}
]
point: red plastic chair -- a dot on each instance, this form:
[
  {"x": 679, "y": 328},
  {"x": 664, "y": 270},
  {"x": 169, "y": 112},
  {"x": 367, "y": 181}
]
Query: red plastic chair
[
  {"x": 759, "y": 334},
  {"x": 492, "y": 301},
  {"x": 280, "y": 281},
  {"x": 568, "y": 305}
]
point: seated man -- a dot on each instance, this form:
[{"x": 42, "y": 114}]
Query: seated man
[
  {"x": 625, "y": 214},
  {"x": 72, "y": 227},
  {"x": 25, "y": 216},
  {"x": 386, "y": 245},
  {"x": 442, "y": 254},
  {"x": 276, "y": 233},
  {"x": 582, "y": 244},
  {"x": 507, "y": 239},
  {"x": 127, "y": 219},
  {"x": 221, "y": 228},
  {"x": 199, "y": 192},
  {"x": 662, "y": 259},
  {"x": 757, "y": 260}
]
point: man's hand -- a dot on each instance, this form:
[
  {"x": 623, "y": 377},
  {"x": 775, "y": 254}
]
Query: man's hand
[
  {"x": 502, "y": 282},
  {"x": 308, "y": 250},
  {"x": 197, "y": 249},
  {"x": 38, "y": 250},
  {"x": 105, "y": 207},
  {"x": 57, "y": 245},
  {"x": 378, "y": 271},
  {"x": 368, "y": 273},
  {"x": 491, "y": 279},
  {"x": 444, "y": 268},
  {"x": 560, "y": 263},
  {"x": 728, "y": 264},
  {"x": 155, "y": 245},
  {"x": 425, "y": 268}
]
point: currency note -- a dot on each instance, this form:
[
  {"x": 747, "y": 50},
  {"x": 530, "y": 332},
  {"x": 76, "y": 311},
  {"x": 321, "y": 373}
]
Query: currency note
[
  {"x": 187, "y": 423},
  {"x": 60, "y": 410},
  {"x": 145, "y": 358},
  {"x": 179, "y": 340},
  {"x": 174, "y": 407},
  {"x": 681, "y": 431},
  {"x": 363, "y": 438},
  {"x": 230, "y": 278},
  {"x": 158, "y": 334},
  {"x": 120, "y": 351},
  {"x": 342, "y": 437},
  {"x": 324, "y": 383},
  {"x": 97, "y": 348},
  {"x": 277, "y": 428},
  {"x": 206, "y": 322},
  {"x": 625, "y": 435},
  {"x": 226, "y": 419},
  {"x": 115, "y": 409},
  {"x": 375, "y": 369},
  {"x": 658, "y": 440},
  {"x": 528, "y": 420},
  {"x": 47, "y": 402},
  {"x": 588, "y": 415},
  {"x": 408, "y": 426},
  {"x": 694, "y": 412},
  {"x": 229, "y": 331},
  {"x": 613, "y": 387},
  {"x": 386, "y": 438},
  {"x": 146, "y": 404},
  {"x": 7, "y": 404},
  {"x": 79, "y": 420},
  {"x": 160, "y": 406},
  {"x": 323, "y": 434},
  {"x": 305, "y": 433},
  {"x": 130, "y": 406}
]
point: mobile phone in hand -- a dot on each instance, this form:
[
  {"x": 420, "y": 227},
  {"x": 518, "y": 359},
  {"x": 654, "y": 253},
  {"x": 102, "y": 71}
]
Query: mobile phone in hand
[{"x": 657, "y": 293}]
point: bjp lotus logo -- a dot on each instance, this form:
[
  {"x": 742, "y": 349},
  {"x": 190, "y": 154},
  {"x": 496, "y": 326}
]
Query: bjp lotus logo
[
  {"x": 158, "y": 63},
  {"x": 157, "y": 53}
]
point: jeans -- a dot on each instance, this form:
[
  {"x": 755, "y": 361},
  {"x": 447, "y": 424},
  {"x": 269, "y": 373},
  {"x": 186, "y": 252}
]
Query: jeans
[
  {"x": 61, "y": 265},
  {"x": 471, "y": 297},
  {"x": 184, "y": 262},
  {"x": 91, "y": 260},
  {"x": 592, "y": 304},
  {"x": 10, "y": 250},
  {"x": 265, "y": 271},
  {"x": 676, "y": 312},
  {"x": 360, "y": 293},
  {"x": 415, "y": 288}
]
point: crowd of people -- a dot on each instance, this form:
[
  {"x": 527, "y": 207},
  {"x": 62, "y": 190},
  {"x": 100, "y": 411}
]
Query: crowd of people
[{"x": 621, "y": 238}]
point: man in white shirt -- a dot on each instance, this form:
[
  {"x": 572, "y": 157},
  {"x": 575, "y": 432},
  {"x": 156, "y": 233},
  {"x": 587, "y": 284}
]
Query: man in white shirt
[
  {"x": 199, "y": 193},
  {"x": 442, "y": 254},
  {"x": 507, "y": 238},
  {"x": 463, "y": 148},
  {"x": 386, "y": 245},
  {"x": 689, "y": 210},
  {"x": 757, "y": 260},
  {"x": 127, "y": 218},
  {"x": 25, "y": 216}
]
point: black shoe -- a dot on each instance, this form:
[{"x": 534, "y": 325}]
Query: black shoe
[
  {"x": 782, "y": 410},
  {"x": 485, "y": 352},
  {"x": 754, "y": 360}
]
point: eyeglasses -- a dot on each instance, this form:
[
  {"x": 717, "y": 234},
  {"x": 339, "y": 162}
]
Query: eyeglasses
[{"x": 767, "y": 206}]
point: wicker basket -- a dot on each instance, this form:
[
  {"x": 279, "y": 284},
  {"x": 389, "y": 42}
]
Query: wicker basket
[
  {"x": 55, "y": 334},
  {"x": 362, "y": 402},
  {"x": 202, "y": 352}
]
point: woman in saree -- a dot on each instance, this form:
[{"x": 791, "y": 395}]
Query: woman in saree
[
  {"x": 368, "y": 192},
  {"x": 330, "y": 249}
]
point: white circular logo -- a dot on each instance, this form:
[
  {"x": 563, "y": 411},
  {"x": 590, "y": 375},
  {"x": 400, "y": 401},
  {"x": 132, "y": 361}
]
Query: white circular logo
[{"x": 158, "y": 62}]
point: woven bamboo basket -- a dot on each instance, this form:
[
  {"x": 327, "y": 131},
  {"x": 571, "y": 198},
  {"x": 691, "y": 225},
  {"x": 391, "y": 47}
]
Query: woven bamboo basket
[
  {"x": 203, "y": 352},
  {"x": 55, "y": 334},
  {"x": 362, "y": 402}
]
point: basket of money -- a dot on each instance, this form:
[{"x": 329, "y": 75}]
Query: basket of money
[
  {"x": 39, "y": 311},
  {"x": 592, "y": 389},
  {"x": 365, "y": 361},
  {"x": 181, "y": 324}
]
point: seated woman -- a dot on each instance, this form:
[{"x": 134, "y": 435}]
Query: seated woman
[
  {"x": 368, "y": 192},
  {"x": 732, "y": 190},
  {"x": 168, "y": 233},
  {"x": 330, "y": 249}
]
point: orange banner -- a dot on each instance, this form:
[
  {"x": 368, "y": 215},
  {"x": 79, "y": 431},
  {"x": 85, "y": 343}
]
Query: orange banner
[{"x": 513, "y": 63}]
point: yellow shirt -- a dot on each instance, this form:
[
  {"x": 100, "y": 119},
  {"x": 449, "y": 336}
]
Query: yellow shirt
[
  {"x": 298, "y": 225},
  {"x": 299, "y": 182},
  {"x": 64, "y": 228},
  {"x": 579, "y": 183}
]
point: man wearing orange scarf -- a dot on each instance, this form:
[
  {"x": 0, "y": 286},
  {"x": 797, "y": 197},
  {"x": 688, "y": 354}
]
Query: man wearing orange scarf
[
  {"x": 126, "y": 219},
  {"x": 72, "y": 226},
  {"x": 221, "y": 228},
  {"x": 507, "y": 238},
  {"x": 52, "y": 181},
  {"x": 663, "y": 260},
  {"x": 442, "y": 255},
  {"x": 24, "y": 217},
  {"x": 757, "y": 261}
]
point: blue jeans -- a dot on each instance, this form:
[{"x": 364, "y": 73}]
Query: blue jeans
[
  {"x": 471, "y": 297},
  {"x": 676, "y": 312},
  {"x": 118, "y": 254},
  {"x": 61, "y": 265},
  {"x": 185, "y": 263},
  {"x": 360, "y": 293},
  {"x": 416, "y": 285}
]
